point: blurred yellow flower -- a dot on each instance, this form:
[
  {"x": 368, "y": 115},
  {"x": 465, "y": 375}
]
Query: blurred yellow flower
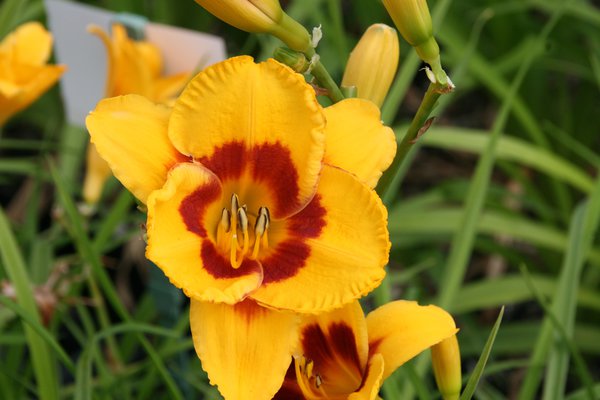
[
  {"x": 373, "y": 63},
  {"x": 134, "y": 67},
  {"x": 24, "y": 75},
  {"x": 343, "y": 355}
]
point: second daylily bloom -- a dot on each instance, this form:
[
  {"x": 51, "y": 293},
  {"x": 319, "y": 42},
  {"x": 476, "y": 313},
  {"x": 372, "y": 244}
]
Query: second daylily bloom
[
  {"x": 24, "y": 74},
  {"x": 133, "y": 67},
  {"x": 343, "y": 355},
  {"x": 250, "y": 204}
]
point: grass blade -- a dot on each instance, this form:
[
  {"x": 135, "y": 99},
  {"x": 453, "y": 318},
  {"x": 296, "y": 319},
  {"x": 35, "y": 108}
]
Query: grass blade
[
  {"x": 89, "y": 254},
  {"x": 583, "y": 227},
  {"x": 480, "y": 366},
  {"x": 43, "y": 365},
  {"x": 40, "y": 330}
]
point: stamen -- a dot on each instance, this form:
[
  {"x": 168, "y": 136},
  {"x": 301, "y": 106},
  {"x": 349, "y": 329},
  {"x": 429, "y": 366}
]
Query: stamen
[
  {"x": 224, "y": 226},
  {"x": 318, "y": 381},
  {"x": 225, "y": 220},
  {"x": 309, "y": 368},
  {"x": 233, "y": 259},
  {"x": 260, "y": 231},
  {"x": 235, "y": 202},
  {"x": 236, "y": 221},
  {"x": 243, "y": 218}
]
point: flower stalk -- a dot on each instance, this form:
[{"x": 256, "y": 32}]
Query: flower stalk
[
  {"x": 418, "y": 126},
  {"x": 309, "y": 63}
]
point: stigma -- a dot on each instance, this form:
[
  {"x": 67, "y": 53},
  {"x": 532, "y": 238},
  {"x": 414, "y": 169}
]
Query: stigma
[{"x": 236, "y": 238}]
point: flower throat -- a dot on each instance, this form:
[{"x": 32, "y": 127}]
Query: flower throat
[{"x": 233, "y": 235}]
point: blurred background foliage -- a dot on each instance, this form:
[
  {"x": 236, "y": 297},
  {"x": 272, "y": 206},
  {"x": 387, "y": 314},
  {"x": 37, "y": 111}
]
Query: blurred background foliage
[{"x": 465, "y": 236}]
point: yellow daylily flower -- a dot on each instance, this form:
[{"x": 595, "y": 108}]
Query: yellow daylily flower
[
  {"x": 343, "y": 355},
  {"x": 260, "y": 16},
  {"x": 134, "y": 67},
  {"x": 253, "y": 202},
  {"x": 24, "y": 74}
]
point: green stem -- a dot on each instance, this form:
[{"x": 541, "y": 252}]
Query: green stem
[
  {"x": 388, "y": 184},
  {"x": 326, "y": 81},
  {"x": 299, "y": 62}
]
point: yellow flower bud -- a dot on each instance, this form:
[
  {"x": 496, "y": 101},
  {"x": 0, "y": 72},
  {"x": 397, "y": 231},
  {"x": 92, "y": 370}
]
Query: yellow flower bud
[
  {"x": 97, "y": 172},
  {"x": 413, "y": 20},
  {"x": 260, "y": 16},
  {"x": 373, "y": 63},
  {"x": 446, "y": 367}
]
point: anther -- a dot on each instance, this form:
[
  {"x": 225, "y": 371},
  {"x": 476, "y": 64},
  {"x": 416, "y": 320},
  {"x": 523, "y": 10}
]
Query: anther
[
  {"x": 243, "y": 220},
  {"x": 226, "y": 220},
  {"x": 260, "y": 226},
  {"x": 267, "y": 214},
  {"x": 235, "y": 203},
  {"x": 318, "y": 381},
  {"x": 309, "y": 368}
]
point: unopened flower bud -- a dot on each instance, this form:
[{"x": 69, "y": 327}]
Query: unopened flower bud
[
  {"x": 96, "y": 174},
  {"x": 446, "y": 367},
  {"x": 413, "y": 20},
  {"x": 260, "y": 16},
  {"x": 373, "y": 63}
]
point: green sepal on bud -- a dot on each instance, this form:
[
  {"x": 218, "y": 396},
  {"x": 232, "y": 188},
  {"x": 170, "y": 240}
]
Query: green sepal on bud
[
  {"x": 293, "y": 59},
  {"x": 373, "y": 63},
  {"x": 261, "y": 16},
  {"x": 413, "y": 20},
  {"x": 446, "y": 367}
]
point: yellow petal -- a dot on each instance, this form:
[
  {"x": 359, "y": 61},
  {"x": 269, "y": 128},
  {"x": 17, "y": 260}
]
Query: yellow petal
[
  {"x": 151, "y": 57},
  {"x": 132, "y": 75},
  {"x": 41, "y": 79},
  {"x": 254, "y": 107},
  {"x": 112, "y": 59},
  {"x": 8, "y": 89},
  {"x": 402, "y": 329},
  {"x": 341, "y": 246},
  {"x": 29, "y": 44},
  {"x": 168, "y": 88},
  {"x": 357, "y": 141},
  {"x": 97, "y": 173},
  {"x": 245, "y": 349},
  {"x": 372, "y": 380},
  {"x": 337, "y": 346},
  {"x": 130, "y": 133},
  {"x": 182, "y": 221}
]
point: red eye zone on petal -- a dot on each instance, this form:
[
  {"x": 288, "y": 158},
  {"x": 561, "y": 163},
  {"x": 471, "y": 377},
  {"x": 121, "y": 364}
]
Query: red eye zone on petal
[
  {"x": 219, "y": 267},
  {"x": 269, "y": 164},
  {"x": 291, "y": 254},
  {"x": 327, "y": 349},
  {"x": 193, "y": 207}
]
